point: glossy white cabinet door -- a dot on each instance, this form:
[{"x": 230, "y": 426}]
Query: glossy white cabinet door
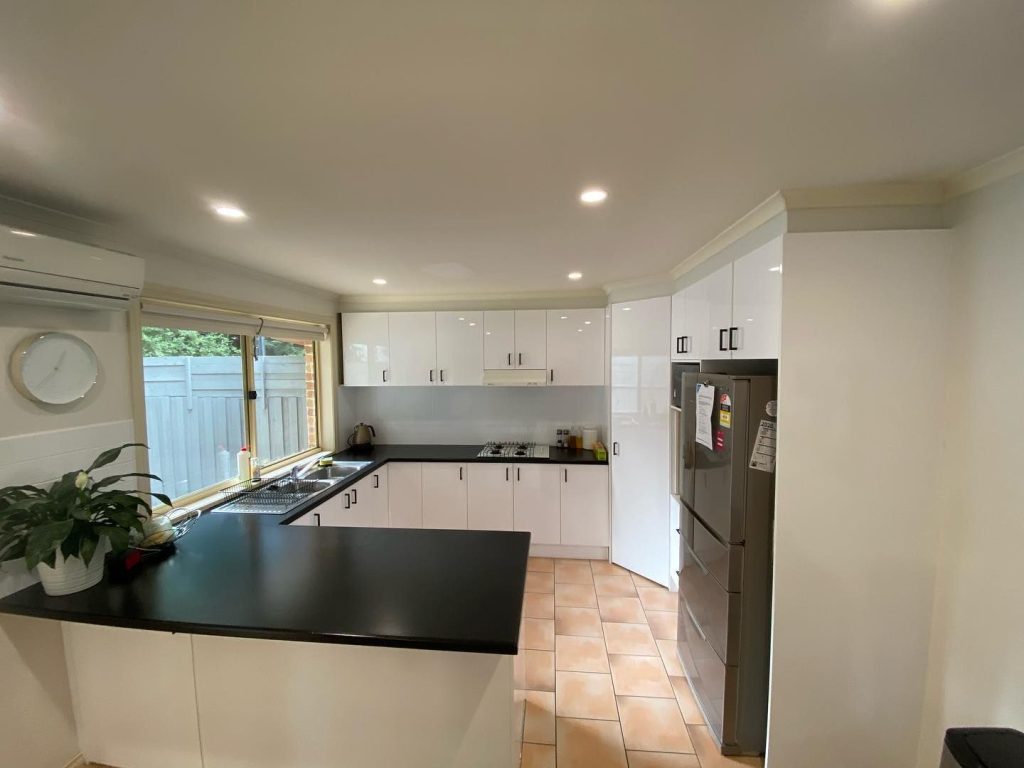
[
  {"x": 335, "y": 510},
  {"x": 584, "y": 505},
  {"x": 490, "y": 497},
  {"x": 365, "y": 353},
  {"x": 531, "y": 338},
  {"x": 309, "y": 519},
  {"x": 444, "y": 495},
  {"x": 537, "y": 503},
  {"x": 405, "y": 494},
  {"x": 718, "y": 290},
  {"x": 677, "y": 340},
  {"x": 460, "y": 348},
  {"x": 757, "y": 302},
  {"x": 413, "y": 349},
  {"x": 640, "y": 437},
  {"x": 575, "y": 347},
  {"x": 696, "y": 330},
  {"x": 367, "y": 502},
  {"x": 499, "y": 339}
]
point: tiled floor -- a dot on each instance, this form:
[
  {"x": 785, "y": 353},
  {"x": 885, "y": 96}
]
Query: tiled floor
[{"x": 598, "y": 672}]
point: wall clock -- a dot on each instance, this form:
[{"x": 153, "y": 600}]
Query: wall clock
[{"x": 54, "y": 368}]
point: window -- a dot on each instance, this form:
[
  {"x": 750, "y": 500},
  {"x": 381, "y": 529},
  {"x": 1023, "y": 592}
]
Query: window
[{"x": 215, "y": 382}]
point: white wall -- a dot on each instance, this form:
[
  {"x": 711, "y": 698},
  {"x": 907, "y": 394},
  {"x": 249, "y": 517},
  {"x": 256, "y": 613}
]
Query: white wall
[
  {"x": 469, "y": 415},
  {"x": 865, "y": 350},
  {"x": 977, "y": 653}
]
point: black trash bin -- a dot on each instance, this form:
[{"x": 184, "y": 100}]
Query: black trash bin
[{"x": 983, "y": 748}]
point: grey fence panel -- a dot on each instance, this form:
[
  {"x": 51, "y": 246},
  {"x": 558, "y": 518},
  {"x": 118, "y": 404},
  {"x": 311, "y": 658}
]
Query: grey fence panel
[{"x": 195, "y": 411}]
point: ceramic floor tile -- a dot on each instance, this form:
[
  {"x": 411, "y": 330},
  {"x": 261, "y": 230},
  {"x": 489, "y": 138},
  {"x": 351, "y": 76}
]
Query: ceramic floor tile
[
  {"x": 670, "y": 657},
  {"x": 580, "y": 654},
  {"x": 540, "y": 670},
  {"x": 539, "y": 727},
  {"x": 614, "y": 586},
  {"x": 575, "y": 595},
  {"x": 537, "y": 581},
  {"x": 538, "y": 606},
  {"x": 539, "y": 634},
  {"x": 582, "y": 622},
  {"x": 604, "y": 568},
  {"x": 541, "y": 564},
  {"x": 590, "y": 744},
  {"x": 621, "y": 609},
  {"x": 573, "y": 572},
  {"x": 663, "y": 624},
  {"x": 661, "y": 760},
  {"x": 586, "y": 695},
  {"x": 711, "y": 757},
  {"x": 640, "y": 581},
  {"x": 629, "y": 639},
  {"x": 658, "y": 599},
  {"x": 653, "y": 725},
  {"x": 640, "y": 676},
  {"x": 538, "y": 756},
  {"x": 687, "y": 704}
]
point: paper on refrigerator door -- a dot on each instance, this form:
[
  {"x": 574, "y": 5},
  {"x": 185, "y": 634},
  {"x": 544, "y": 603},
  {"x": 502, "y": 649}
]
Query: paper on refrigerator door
[
  {"x": 705, "y": 408},
  {"x": 763, "y": 455}
]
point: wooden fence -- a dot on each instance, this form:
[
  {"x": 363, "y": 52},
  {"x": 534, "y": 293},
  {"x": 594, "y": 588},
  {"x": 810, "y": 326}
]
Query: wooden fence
[{"x": 195, "y": 416}]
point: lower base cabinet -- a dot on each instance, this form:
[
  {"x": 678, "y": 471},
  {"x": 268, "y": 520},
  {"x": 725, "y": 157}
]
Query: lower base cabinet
[
  {"x": 405, "y": 494},
  {"x": 490, "y": 497},
  {"x": 444, "y": 495},
  {"x": 584, "y": 502},
  {"x": 536, "y": 500}
]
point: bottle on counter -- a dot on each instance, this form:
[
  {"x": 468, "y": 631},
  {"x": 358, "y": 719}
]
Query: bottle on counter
[{"x": 243, "y": 458}]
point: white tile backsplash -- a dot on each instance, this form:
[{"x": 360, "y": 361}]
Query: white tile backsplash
[{"x": 470, "y": 415}]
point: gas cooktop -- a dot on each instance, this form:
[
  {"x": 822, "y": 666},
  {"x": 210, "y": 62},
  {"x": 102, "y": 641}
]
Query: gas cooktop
[{"x": 513, "y": 450}]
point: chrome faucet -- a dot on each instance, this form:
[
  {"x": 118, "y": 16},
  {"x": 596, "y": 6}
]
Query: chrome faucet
[{"x": 301, "y": 469}]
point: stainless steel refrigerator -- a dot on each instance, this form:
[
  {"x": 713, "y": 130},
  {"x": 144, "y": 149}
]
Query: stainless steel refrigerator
[{"x": 726, "y": 467}]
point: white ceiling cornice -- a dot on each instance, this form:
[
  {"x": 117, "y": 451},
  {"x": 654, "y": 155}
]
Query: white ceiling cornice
[{"x": 990, "y": 172}]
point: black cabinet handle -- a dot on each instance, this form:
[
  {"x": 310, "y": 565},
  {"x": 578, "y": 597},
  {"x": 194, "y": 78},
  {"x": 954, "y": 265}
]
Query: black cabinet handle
[
  {"x": 552, "y": 375},
  {"x": 348, "y": 501},
  {"x": 384, "y": 375},
  {"x": 460, "y": 473},
  {"x": 376, "y": 481},
  {"x": 520, "y": 358},
  {"x": 615, "y": 449},
  {"x": 509, "y": 359},
  {"x": 566, "y": 474},
  {"x": 442, "y": 375},
  {"x": 316, "y": 515},
  {"x": 721, "y": 340},
  {"x": 355, "y": 496},
  {"x": 506, "y": 474},
  {"x": 431, "y": 375},
  {"x": 679, "y": 345},
  {"x": 732, "y": 343},
  {"x": 686, "y": 345},
  {"x": 517, "y": 474}
]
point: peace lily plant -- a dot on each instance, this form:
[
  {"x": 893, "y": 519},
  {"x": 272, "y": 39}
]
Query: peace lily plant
[{"x": 66, "y": 530}]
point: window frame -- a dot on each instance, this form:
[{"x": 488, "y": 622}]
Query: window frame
[{"x": 196, "y": 498}]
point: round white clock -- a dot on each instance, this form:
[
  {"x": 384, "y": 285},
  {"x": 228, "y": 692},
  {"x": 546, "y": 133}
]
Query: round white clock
[{"x": 54, "y": 368}]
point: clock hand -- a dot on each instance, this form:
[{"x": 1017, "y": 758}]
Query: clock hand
[{"x": 56, "y": 368}]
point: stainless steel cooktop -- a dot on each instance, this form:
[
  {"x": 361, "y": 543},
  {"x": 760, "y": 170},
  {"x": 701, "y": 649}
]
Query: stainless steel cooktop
[{"x": 513, "y": 450}]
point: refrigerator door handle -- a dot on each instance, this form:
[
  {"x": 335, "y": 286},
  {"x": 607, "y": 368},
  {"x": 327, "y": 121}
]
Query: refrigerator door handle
[{"x": 676, "y": 416}]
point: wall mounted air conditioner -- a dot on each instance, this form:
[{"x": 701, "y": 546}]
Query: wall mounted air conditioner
[{"x": 36, "y": 269}]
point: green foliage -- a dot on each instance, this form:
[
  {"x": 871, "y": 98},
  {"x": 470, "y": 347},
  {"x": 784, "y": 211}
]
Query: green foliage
[
  {"x": 72, "y": 514},
  {"x": 170, "y": 342}
]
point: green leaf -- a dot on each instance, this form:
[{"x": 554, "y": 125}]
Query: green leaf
[
  {"x": 162, "y": 498},
  {"x": 109, "y": 457},
  {"x": 113, "y": 479},
  {"x": 118, "y": 536},
  {"x": 88, "y": 548},
  {"x": 42, "y": 542}
]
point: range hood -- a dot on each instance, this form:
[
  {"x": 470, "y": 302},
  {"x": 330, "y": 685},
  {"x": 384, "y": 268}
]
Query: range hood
[{"x": 515, "y": 377}]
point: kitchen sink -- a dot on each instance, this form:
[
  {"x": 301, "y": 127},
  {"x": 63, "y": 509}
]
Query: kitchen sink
[
  {"x": 337, "y": 471},
  {"x": 277, "y": 497}
]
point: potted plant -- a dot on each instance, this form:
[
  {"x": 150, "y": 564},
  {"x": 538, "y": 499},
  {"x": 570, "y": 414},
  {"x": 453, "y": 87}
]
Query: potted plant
[{"x": 67, "y": 529}]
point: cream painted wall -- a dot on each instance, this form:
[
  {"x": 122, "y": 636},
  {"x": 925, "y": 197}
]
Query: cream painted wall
[
  {"x": 976, "y": 666},
  {"x": 865, "y": 351}
]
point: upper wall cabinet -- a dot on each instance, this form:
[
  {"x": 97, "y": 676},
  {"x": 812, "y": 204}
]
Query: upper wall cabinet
[
  {"x": 531, "y": 338},
  {"x": 499, "y": 339},
  {"x": 460, "y": 348},
  {"x": 365, "y": 353},
  {"x": 515, "y": 339},
  {"x": 576, "y": 347},
  {"x": 413, "y": 349}
]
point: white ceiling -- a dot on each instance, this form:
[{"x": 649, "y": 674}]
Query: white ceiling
[{"x": 442, "y": 144}]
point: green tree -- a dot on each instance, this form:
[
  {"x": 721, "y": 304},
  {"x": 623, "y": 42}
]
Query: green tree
[{"x": 168, "y": 342}]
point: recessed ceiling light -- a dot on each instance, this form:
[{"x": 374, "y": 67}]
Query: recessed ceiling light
[
  {"x": 586, "y": 322},
  {"x": 472, "y": 324},
  {"x": 23, "y": 233},
  {"x": 579, "y": 330},
  {"x": 232, "y": 212},
  {"x": 626, "y": 309},
  {"x": 462, "y": 318},
  {"x": 575, "y": 275},
  {"x": 379, "y": 281},
  {"x": 564, "y": 317},
  {"x": 593, "y": 196}
]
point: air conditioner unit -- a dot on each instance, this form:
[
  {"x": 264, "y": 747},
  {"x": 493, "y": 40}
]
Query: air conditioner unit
[{"x": 35, "y": 269}]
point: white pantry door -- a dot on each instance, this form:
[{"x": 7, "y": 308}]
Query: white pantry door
[{"x": 640, "y": 370}]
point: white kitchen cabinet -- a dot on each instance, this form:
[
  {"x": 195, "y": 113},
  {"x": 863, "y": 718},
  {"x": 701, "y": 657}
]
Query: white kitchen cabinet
[
  {"x": 584, "y": 504},
  {"x": 413, "y": 349},
  {"x": 640, "y": 535},
  {"x": 575, "y": 352},
  {"x": 531, "y": 338},
  {"x": 311, "y": 518},
  {"x": 333, "y": 512},
  {"x": 405, "y": 494},
  {"x": 490, "y": 496},
  {"x": 537, "y": 502},
  {"x": 757, "y": 302},
  {"x": 460, "y": 348},
  {"x": 366, "y": 349},
  {"x": 499, "y": 339},
  {"x": 718, "y": 293},
  {"x": 444, "y": 495},
  {"x": 678, "y": 347},
  {"x": 366, "y": 504}
]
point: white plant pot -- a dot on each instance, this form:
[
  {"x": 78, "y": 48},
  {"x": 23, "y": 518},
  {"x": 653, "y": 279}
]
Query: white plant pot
[{"x": 72, "y": 574}]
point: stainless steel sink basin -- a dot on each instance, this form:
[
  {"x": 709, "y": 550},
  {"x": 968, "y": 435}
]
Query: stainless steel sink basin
[
  {"x": 337, "y": 471},
  {"x": 279, "y": 496}
]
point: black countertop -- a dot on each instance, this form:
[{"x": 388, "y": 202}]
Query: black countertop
[
  {"x": 248, "y": 576},
  {"x": 468, "y": 453}
]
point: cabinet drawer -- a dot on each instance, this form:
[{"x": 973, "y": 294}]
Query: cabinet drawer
[
  {"x": 714, "y": 609},
  {"x": 723, "y": 561},
  {"x": 712, "y": 681}
]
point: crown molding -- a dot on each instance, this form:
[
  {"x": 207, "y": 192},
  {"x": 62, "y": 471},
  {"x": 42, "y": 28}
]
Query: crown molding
[
  {"x": 865, "y": 195},
  {"x": 973, "y": 179},
  {"x": 521, "y": 300}
]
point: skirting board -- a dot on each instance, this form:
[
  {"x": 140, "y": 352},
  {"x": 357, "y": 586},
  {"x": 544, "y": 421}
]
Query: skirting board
[{"x": 568, "y": 551}]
